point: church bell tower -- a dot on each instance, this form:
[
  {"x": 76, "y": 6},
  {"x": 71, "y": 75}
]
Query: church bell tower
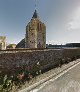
[{"x": 35, "y": 33}]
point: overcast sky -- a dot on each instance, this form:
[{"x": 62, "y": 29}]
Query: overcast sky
[{"x": 62, "y": 19}]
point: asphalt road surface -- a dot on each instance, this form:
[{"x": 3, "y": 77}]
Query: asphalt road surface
[{"x": 68, "y": 82}]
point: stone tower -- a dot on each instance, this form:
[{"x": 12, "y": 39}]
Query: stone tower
[
  {"x": 2, "y": 42},
  {"x": 35, "y": 33}
]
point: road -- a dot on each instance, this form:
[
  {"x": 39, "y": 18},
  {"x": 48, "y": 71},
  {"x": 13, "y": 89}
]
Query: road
[{"x": 68, "y": 82}]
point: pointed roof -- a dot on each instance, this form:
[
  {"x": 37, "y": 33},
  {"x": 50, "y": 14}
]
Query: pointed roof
[{"x": 35, "y": 15}]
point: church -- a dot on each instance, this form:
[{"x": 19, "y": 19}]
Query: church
[{"x": 35, "y": 36}]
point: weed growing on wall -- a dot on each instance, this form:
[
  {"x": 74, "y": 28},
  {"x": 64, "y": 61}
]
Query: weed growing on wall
[{"x": 24, "y": 73}]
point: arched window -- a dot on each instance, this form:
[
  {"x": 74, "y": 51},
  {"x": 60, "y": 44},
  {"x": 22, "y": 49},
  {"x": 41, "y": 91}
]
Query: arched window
[{"x": 39, "y": 27}]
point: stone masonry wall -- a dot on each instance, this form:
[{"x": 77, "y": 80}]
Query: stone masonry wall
[{"x": 46, "y": 58}]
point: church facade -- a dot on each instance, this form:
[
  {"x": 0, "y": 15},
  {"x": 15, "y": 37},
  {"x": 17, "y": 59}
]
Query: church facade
[{"x": 35, "y": 36}]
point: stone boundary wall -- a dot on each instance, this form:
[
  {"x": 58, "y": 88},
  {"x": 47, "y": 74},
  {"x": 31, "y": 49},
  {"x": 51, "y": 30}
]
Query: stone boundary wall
[{"x": 47, "y": 58}]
